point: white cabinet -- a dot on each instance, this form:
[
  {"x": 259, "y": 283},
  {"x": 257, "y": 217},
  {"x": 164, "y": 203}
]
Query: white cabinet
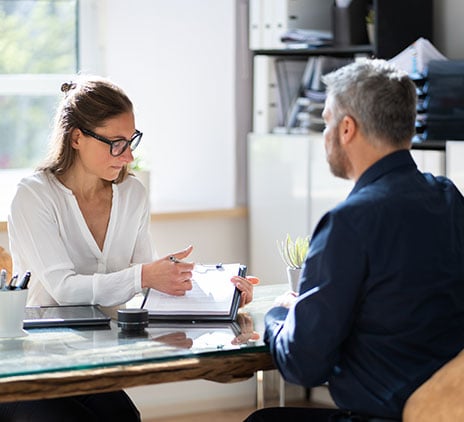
[
  {"x": 430, "y": 161},
  {"x": 290, "y": 187},
  {"x": 455, "y": 163}
]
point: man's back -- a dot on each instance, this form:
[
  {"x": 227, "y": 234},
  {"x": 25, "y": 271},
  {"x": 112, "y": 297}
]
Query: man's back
[
  {"x": 381, "y": 296},
  {"x": 388, "y": 268},
  {"x": 410, "y": 310}
]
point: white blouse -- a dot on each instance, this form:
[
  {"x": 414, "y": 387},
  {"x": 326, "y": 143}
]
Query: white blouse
[{"x": 50, "y": 238}]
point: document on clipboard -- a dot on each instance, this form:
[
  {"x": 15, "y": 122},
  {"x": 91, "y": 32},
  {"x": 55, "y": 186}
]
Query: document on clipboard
[{"x": 213, "y": 296}]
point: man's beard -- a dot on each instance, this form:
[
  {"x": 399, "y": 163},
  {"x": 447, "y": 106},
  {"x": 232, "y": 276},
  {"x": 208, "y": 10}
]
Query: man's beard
[{"x": 338, "y": 160}]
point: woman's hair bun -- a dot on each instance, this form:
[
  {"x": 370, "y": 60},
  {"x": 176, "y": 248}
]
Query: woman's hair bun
[{"x": 67, "y": 86}]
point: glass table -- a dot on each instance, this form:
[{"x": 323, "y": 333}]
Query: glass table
[{"x": 54, "y": 362}]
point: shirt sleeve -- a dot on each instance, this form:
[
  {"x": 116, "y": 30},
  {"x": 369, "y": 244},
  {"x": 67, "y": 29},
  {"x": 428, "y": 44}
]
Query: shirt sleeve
[
  {"x": 37, "y": 244},
  {"x": 306, "y": 341}
]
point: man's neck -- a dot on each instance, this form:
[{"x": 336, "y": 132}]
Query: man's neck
[{"x": 367, "y": 155}]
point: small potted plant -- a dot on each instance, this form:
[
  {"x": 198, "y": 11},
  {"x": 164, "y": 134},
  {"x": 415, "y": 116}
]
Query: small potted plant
[
  {"x": 293, "y": 254},
  {"x": 370, "y": 21}
]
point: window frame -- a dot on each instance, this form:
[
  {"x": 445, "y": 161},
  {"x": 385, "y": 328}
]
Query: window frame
[{"x": 88, "y": 61}]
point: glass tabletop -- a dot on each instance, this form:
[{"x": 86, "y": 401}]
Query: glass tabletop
[{"x": 59, "y": 349}]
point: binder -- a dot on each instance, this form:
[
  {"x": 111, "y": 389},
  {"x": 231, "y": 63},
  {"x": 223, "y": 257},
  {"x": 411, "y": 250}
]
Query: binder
[
  {"x": 269, "y": 20},
  {"x": 265, "y": 105},
  {"x": 268, "y": 26},
  {"x": 255, "y": 30}
]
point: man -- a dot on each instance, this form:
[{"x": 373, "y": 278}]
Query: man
[{"x": 381, "y": 296}]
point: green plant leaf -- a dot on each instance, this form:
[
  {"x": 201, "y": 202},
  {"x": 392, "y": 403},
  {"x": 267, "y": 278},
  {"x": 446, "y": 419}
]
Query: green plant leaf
[{"x": 293, "y": 253}]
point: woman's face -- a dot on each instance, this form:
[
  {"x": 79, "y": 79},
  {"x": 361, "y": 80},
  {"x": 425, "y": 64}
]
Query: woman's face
[{"x": 94, "y": 155}]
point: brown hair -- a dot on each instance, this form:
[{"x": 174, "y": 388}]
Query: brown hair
[{"x": 88, "y": 102}]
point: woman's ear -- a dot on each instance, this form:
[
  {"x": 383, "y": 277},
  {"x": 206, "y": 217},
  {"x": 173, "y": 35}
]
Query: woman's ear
[{"x": 75, "y": 137}]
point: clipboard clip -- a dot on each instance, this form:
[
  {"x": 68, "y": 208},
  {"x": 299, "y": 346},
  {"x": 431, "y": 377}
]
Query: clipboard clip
[{"x": 204, "y": 268}]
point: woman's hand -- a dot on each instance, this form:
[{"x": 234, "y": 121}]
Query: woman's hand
[
  {"x": 245, "y": 285},
  {"x": 169, "y": 274}
]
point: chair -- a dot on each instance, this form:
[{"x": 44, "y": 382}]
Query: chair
[
  {"x": 5, "y": 261},
  {"x": 441, "y": 397}
]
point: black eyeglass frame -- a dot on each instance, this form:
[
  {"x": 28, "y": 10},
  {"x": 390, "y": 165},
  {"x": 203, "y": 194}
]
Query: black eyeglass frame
[{"x": 137, "y": 136}]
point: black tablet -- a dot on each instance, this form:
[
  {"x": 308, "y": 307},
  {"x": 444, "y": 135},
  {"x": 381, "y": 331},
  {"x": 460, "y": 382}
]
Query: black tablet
[{"x": 64, "y": 316}]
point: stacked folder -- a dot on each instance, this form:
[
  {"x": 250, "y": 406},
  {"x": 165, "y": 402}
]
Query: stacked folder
[{"x": 444, "y": 100}]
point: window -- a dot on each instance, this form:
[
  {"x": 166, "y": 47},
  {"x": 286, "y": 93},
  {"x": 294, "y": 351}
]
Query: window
[
  {"x": 192, "y": 95},
  {"x": 38, "y": 49}
]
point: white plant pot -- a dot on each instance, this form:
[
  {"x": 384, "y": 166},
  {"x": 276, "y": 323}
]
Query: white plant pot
[
  {"x": 293, "y": 275},
  {"x": 371, "y": 33}
]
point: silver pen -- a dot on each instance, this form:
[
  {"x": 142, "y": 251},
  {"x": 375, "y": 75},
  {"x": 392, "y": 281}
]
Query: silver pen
[{"x": 3, "y": 275}]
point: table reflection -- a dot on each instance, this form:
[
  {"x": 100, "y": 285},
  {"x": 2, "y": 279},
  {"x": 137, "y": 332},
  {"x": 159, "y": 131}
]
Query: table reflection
[{"x": 53, "y": 349}]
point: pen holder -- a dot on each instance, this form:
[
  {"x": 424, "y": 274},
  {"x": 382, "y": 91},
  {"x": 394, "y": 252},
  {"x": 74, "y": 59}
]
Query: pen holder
[
  {"x": 349, "y": 24},
  {"x": 12, "y": 310}
]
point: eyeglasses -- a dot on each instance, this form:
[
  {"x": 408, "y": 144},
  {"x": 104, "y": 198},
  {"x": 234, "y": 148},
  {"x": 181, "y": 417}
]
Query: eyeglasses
[{"x": 118, "y": 146}]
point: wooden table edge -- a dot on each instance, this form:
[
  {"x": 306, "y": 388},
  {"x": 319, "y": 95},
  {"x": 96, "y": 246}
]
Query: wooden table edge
[{"x": 224, "y": 368}]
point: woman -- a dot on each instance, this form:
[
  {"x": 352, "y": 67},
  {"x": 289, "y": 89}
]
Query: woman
[{"x": 80, "y": 224}]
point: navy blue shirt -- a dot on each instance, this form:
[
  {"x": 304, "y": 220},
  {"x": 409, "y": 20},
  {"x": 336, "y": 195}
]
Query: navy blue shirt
[{"x": 381, "y": 303}]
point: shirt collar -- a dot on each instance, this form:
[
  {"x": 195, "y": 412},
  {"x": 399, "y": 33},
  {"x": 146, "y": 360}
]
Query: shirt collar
[{"x": 387, "y": 164}]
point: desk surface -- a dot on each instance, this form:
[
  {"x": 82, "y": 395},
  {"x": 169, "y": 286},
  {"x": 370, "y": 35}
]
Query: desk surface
[{"x": 60, "y": 362}]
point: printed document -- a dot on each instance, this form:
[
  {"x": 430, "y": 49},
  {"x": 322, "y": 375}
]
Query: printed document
[{"x": 213, "y": 296}]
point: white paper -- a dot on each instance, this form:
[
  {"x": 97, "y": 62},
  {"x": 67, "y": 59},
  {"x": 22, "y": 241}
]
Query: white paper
[
  {"x": 415, "y": 57},
  {"x": 212, "y": 294}
]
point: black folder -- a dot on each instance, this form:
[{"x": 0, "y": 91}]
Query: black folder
[{"x": 65, "y": 316}]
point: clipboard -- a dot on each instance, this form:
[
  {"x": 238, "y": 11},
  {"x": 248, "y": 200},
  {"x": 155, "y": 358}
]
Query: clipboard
[{"x": 212, "y": 298}]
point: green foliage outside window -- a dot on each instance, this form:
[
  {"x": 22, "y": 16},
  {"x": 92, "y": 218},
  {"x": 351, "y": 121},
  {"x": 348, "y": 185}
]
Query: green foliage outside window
[{"x": 37, "y": 37}]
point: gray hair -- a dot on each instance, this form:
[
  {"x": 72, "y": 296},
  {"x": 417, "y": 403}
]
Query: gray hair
[{"x": 380, "y": 97}]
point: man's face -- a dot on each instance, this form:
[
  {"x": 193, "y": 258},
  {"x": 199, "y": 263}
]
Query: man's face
[{"x": 336, "y": 156}]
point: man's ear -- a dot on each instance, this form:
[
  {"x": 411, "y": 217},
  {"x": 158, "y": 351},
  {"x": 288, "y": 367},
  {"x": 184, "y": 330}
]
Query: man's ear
[{"x": 347, "y": 129}]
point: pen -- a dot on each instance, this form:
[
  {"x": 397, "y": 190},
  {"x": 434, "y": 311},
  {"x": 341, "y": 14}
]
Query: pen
[
  {"x": 2, "y": 279},
  {"x": 24, "y": 281},
  {"x": 12, "y": 283}
]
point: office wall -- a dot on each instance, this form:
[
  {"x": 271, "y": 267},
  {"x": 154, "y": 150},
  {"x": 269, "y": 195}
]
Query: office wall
[
  {"x": 177, "y": 61},
  {"x": 449, "y": 28}
]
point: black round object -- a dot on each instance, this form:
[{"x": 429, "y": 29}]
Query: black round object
[{"x": 132, "y": 319}]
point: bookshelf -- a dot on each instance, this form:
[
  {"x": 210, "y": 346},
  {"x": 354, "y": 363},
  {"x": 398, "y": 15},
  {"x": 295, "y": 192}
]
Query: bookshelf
[
  {"x": 340, "y": 51},
  {"x": 289, "y": 182},
  {"x": 397, "y": 23}
]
